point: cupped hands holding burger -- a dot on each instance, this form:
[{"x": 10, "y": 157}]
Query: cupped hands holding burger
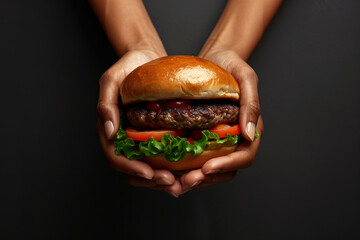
[{"x": 135, "y": 39}]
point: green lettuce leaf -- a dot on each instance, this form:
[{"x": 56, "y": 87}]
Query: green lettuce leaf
[
  {"x": 174, "y": 148},
  {"x": 126, "y": 145}
]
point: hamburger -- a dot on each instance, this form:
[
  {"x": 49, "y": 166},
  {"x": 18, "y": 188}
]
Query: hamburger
[{"x": 178, "y": 112}]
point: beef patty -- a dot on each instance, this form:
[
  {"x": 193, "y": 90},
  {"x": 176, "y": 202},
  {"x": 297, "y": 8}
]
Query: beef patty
[{"x": 196, "y": 116}]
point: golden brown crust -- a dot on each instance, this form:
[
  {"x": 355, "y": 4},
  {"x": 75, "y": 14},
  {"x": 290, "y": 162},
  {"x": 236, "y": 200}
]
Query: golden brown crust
[
  {"x": 185, "y": 77},
  {"x": 188, "y": 162}
]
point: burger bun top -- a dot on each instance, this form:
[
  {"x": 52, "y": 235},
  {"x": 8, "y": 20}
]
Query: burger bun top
[{"x": 178, "y": 77}]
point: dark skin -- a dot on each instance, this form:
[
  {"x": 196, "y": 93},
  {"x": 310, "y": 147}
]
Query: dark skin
[
  {"x": 136, "y": 42},
  {"x": 164, "y": 180},
  {"x": 140, "y": 174}
]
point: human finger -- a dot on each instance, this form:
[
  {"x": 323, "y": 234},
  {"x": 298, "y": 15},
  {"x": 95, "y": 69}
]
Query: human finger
[
  {"x": 109, "y": 89},
  {"x": 120, "y": 162},
  {"x": 108, "y": 106},
  {"x": 243, "y": 157},
  {"x": 161, "y": 178},
  {"x": 197, "y": 179},
  {"x": 249, "y": 98}
]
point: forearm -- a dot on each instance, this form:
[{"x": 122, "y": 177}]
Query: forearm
[
  {"x": 241, "y": 26},
  {"x": 127, "y": 25}
]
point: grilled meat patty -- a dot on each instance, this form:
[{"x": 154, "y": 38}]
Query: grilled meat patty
[{"x": 196, "y": 116}]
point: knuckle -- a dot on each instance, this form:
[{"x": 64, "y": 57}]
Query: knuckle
[
  {"x": 111, "y": 75},
  {"x": 106, "y": 77},
  {"x": 249, "y": 162},
  {"x": 101, "y": 108},
  {"x": 254, "y": 106},
  {"x": 250, "y": 75}
]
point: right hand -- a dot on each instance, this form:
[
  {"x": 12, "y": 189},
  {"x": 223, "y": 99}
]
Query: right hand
[
  {"x": 222, "y": 169},
  {"x": 138, "y": 173}
]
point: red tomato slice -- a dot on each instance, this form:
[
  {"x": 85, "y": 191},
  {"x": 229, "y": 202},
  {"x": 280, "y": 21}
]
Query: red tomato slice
[
  {"x": 143, "y": 135},
  {"x": 190, "y": 140},
  {"x": 221, "y": 130}
]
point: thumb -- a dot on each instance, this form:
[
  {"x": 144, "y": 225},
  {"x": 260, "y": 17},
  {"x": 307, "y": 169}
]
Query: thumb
[
  {"x": 249, "y": 102},
  {"x": 107, "y": 107}
]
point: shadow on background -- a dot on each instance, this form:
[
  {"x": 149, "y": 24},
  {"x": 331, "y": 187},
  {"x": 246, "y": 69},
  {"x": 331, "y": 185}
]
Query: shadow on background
[{"x": 56, "y": 183}]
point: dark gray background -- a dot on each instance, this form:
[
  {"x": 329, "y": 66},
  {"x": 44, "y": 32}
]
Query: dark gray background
[{"x": 55, "y": 182}]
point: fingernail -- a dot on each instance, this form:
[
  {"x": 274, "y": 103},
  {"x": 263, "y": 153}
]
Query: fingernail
[
  {"x": 196, "y": 183},
  {"x": 213, "y": 171},
  {"x": 144, "y": 175},
  {"x": 173, "y": 194},
  {"x": 250, "y": 130},
  {"x": 163, "y": 181},
  {"x": 109, "y": 128}
]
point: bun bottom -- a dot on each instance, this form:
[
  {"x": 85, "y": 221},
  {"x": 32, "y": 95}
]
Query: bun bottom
[{"x": 188, "y": 162}]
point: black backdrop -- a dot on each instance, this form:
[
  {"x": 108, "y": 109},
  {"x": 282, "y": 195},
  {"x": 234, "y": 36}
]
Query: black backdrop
[{"x": 55, "y": 182}]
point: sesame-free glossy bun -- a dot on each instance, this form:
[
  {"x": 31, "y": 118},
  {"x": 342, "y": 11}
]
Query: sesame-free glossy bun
[
  {"x": 188, "y": 162},
  {"x": 178, "y": 77}
]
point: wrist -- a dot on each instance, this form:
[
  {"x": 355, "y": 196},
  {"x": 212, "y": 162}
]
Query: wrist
[
  {"x": 153, "y": 46},
  {"x": 218, "y": 44},
  {"x": 211, "y": 46},
  {"x": 241, "y": 26},
  {"x": 214, "y": 49},
  {"x": 128, "y": 26}
]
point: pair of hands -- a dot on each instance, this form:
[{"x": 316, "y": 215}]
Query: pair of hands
[{"x": 216, "y": 170}]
